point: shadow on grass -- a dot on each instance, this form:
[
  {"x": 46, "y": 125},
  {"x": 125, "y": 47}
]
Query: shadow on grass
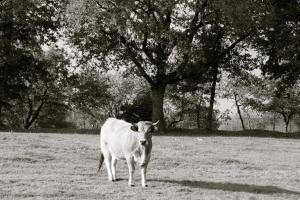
[{"x": 234, "y": 187}]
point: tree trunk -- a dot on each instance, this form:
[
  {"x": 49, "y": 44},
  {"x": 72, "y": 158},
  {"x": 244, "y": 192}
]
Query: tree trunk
[
  {"x": 1, "y": 92},
  {"x": 158, "y": 93},
  {"x": 286, "y": 127},
  {"x": 291, "y": 126},
  {"x": 286, "y": 121},
  {"x": 274, "y": 122},
  {"x": 33, "y": 116},
  {"x": 0, "y": 114},
  {"x": 29, "y": 114},
  {"x": 239, "y": 111},
  {"x": 198, "y": 111},
  {"x": 212, "y": 99},
  {"x": 198, "y": 116}
]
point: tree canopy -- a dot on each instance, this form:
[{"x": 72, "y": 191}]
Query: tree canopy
[
  {"x": 164, "y": 42},
  {"x": 279, "y": 41},
  {"x": 24, "y": 27},
  {"x": 180, "y": 49}
]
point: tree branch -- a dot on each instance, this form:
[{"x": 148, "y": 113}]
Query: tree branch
[
  {"x": 100, "y": 6},
  {"x": 146, "y": 50},
  {"x": 235, "y": 43},
  {"x": 134, "y": 57},
  {"x": 29, "y": 115},
  {"x": 190, "y": 33}
]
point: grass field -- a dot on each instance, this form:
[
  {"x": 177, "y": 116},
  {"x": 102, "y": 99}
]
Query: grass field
[{"x": 63, "y": 166}]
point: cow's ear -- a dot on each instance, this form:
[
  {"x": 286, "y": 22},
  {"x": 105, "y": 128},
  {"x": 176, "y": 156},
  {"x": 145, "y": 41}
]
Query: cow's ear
[
  {"x": 134, "y": 127},
  {"x": 154, "y": 128}
]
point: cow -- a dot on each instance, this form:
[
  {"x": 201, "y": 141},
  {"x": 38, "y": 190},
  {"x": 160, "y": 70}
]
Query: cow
[{"x": 122, "y": 140}]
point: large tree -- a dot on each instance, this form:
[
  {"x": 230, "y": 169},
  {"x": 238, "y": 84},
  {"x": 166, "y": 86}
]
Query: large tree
[
  {"x": 240, "y": 86},
  {"x": 159, "y": 40},
  {"x": 24, "y": 27},
  {"x": 279, "y": 42},
  {"x": 44, "y": 86}
]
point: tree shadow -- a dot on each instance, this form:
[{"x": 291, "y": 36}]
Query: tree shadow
[{"x": 234, "y": 187}]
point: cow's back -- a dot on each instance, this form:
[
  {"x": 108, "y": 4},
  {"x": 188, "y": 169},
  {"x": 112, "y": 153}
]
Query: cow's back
[{"x": 116, "y": 137}]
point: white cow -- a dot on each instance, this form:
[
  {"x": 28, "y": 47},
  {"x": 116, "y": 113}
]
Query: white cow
[{"x": 123, "y": 140}]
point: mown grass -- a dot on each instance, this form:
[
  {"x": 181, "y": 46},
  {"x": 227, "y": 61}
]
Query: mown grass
[{"x": 63, "y": 166}]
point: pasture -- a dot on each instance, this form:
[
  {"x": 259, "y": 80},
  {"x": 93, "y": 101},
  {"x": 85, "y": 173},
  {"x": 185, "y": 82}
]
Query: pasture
[{"x": 63, "y": 166}]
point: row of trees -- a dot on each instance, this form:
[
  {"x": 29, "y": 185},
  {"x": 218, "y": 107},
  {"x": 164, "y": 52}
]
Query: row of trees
[
  {"x": 264, "y": 96},
  {"x": 172, "y": 54},
  {"x": 170, "y": 42}
]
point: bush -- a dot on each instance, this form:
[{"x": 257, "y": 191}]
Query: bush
[{"x": 139, "y": 110}]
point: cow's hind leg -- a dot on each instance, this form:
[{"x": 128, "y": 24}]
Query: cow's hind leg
[
  {"x": 130, "y": 163},
  {"x": 113, "y": 168},
  {"x": 107, "y": 160}
]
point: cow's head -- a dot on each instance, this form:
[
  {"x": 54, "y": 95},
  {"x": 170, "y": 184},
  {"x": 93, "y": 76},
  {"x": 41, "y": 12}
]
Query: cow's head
[{"x": 144, "y": 130}]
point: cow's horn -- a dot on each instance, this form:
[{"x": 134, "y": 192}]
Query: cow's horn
[{"x": 154, "y": 124}]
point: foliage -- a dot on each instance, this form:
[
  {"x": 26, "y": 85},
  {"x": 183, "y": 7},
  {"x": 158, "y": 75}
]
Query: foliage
[
  {"x": 273, "y": 98},
  {"x": 45, "y": 85},
  {"x": 186, "y": 106},
  {"x": 95, "y": 97},
  {"x": 165, "y": 42},
  {"x": 89, "y": 93},
  {"x": 297, "y": 121},
  {"x": 139, "y": 110},
  {"x": 25, "y": 27},
  {"x": 55, "y": 117},
  {"x": 279, "y": 41},
  {"x": 155, "y": 35},
  {"x": 239, "y": 86},
  {"x": 178, "y": 50}
]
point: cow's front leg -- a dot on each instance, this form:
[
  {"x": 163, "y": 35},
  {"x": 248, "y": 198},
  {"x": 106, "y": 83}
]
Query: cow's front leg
[
  {"x": 130, "y": 163},
  {"x": 144, "y": 164},
  {"x": 143, "y": 173},
  {"x": 113, "y": 168}
]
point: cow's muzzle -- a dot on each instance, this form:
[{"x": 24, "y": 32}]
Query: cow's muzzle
[{"x": 143, "y": 142}]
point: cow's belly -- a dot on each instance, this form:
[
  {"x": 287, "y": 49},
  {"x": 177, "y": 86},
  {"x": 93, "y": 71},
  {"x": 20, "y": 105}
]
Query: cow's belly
[
  {"x": 119, "y": 154},
  {"x": 122, "y": 153}
]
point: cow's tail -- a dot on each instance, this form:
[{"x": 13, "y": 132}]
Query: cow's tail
[{"x": 100, "y": 161}]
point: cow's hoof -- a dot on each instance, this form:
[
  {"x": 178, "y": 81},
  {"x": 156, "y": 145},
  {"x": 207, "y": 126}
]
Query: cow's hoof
[
  {"x": 145, "y": 185},
  {"x": 132, "y": 185}
]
